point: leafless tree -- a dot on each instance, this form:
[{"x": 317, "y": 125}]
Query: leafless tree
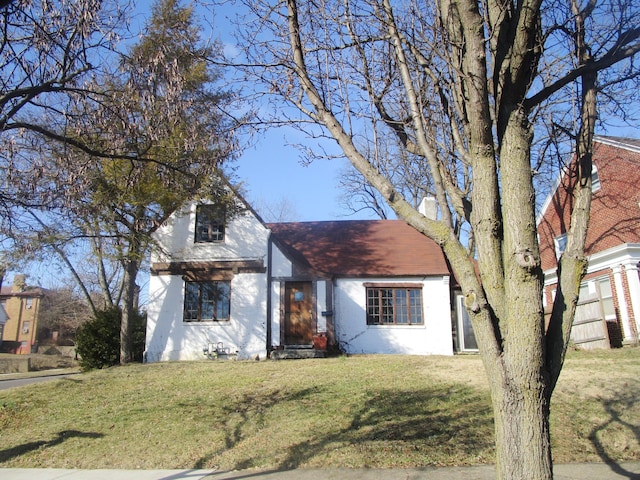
[
  {"x": 466, "y": 86},
  {"x": 277, "y": 210},
  {"x": 48, "y": 51},
  {"x": 124, "y": 153}
]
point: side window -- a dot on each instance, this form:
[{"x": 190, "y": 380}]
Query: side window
[
  {"x": 207, "y": 301},
  {"x": 394, "y": 306},
  {"x": 595, "y": 179},
  {"x": 209, "y": 224},
  {"x": 561, "y": 244}
]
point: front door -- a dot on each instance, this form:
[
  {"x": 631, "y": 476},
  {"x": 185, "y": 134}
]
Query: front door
[{"x": 298, "y": 314}]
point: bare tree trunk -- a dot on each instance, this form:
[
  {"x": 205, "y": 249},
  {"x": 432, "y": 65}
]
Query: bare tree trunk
[
  {"x": 129, "y": 309},
  {"x": 102, "y": 276},
  {"x": 521, "y": 416},
  {"x": 490, "y": 86}
]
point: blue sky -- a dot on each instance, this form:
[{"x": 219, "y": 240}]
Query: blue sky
[{"x": 272, "y": 171}]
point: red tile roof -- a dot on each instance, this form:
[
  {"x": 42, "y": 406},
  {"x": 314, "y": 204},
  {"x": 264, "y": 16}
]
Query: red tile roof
[{"x": 362, "y": 248}]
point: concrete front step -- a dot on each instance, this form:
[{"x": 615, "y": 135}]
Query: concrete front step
[{"x": 291, "y": 353}]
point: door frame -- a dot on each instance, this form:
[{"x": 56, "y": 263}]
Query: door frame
[
  {"x": 313, "y": 321},
  {"x": 461, "y": 313}
]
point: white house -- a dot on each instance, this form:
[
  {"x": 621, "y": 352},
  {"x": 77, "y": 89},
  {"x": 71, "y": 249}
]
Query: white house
[{"x": 255, "y": 290}]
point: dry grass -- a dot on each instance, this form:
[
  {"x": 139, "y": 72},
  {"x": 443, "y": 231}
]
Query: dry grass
[{"x": 363, "y": 411}]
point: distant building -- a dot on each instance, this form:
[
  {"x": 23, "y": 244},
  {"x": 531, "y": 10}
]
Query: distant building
[
  {"x": 3, "y": 320},
  {"x": 22, "y": 307},
  {"x": 608, "y": 311}
]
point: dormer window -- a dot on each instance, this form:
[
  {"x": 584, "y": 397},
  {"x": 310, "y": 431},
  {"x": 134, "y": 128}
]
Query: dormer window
[{"x": 209, "y": 224}]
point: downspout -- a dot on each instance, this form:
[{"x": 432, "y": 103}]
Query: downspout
[
  {"x": 19, "y": 325},
  {"x": 269, "y": 285},
  {"x": 36, "y": 314}
]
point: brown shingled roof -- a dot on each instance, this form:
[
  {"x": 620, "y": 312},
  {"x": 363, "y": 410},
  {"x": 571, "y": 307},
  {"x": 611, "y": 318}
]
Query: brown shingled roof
[{"x": 362, "y": 248}]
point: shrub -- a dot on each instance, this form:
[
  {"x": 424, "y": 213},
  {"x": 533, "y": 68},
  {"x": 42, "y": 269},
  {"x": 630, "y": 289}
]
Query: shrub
[{"x": 98, "y": 340}]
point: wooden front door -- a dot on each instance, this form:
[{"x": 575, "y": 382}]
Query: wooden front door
[{"x": 298, "y": 314}]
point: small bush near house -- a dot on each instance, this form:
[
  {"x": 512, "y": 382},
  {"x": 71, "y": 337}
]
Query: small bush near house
[{"x": 98, "y": 340}]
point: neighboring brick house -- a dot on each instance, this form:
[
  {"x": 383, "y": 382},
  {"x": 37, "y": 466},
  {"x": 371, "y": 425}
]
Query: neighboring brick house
[
  {"x": 22, "y": 306},
  {"x": 609, "y": 306}
]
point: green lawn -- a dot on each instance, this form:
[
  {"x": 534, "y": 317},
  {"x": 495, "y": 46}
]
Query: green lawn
[{"x": 361, "y": 411}]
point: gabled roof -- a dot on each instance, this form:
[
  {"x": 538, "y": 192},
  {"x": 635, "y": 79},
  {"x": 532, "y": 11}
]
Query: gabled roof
[
  {"x": 629, "y": 144},
  {"x": 361, "y": 248},
  {"x": 614, "y": 217}
]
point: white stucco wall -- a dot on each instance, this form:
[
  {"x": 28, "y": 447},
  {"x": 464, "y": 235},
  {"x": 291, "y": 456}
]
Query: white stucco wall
[
  {"x": 322, "y": 305},
  {"x": 169, "y": 338},
  {"x": 281, "y": 268},
  {"x": 245, "y": 238},
  {"x": 355, "y": 336}
]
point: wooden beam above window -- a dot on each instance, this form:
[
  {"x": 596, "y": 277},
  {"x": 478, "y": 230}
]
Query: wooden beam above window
[{"x": 214, "y": 270}]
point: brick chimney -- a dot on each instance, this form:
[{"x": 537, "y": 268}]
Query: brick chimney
[{"x": 19, "y": 283}]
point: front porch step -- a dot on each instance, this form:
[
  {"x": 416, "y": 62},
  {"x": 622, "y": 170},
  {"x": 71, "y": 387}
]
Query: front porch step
[{"x": 297, "y": 353}]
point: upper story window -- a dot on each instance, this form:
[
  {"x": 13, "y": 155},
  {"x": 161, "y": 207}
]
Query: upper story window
[
  {"x": 391, "y": 305},
  {"x": 595, "y": 179},
  {"x": 209, "y": 223},
  {"x": 560, "y": 243}
]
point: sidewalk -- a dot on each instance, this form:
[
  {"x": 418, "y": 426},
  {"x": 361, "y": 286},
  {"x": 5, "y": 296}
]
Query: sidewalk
[{"x": 578, "y": 471}]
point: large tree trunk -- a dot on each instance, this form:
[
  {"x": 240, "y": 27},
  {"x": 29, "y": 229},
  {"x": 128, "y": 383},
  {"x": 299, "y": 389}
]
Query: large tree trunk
[
  {"x": 521, "y": 415},
  {"x": 502, "y": 281}
]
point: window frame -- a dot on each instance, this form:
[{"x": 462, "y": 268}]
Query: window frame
[
  {"x": 390, "y": 305},
  {"x": 596, "y": 184},
  {"x": 560, "y": 244},
  {"x": 202, "y": 299},
  {"x": 210, "y": 224}
]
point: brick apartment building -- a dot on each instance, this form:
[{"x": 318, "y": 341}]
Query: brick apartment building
[{"x": 22, "y": 307}]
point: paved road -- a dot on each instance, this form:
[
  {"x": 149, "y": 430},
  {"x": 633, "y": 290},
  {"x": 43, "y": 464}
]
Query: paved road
[
  {"x": 12, "y": 380},
  {"x": 19, "y": 382}
]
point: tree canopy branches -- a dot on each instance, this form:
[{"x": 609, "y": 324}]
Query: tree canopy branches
[{"x": 467, "y": 89}]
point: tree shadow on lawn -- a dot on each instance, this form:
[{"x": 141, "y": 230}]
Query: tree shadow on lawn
[
  {"x": 430, "y": 424},
  {"x": 614, "y": 406},
  {"x": 250, "y": 408},
  {"x": 18, "y": 450}
]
